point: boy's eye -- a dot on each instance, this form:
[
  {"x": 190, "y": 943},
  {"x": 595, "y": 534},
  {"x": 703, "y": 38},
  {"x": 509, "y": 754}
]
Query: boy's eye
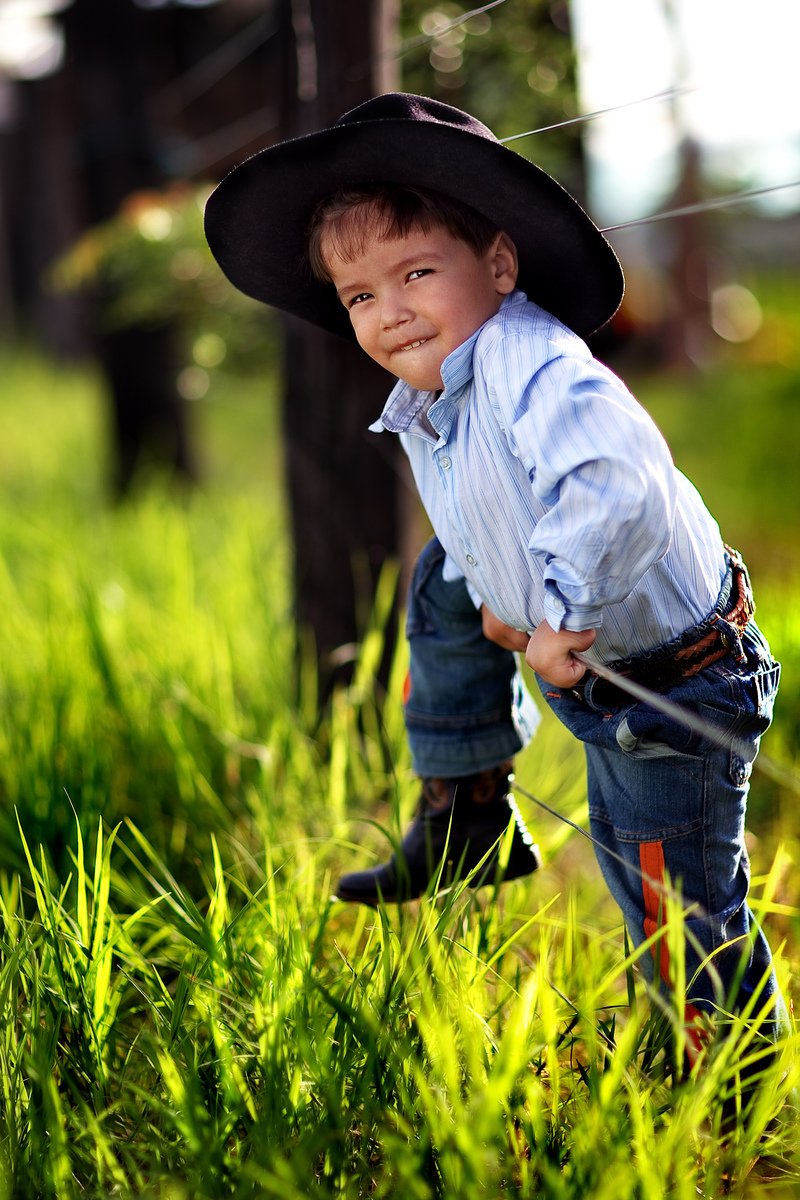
[
  {"x": 419, "y": 272},
  {"x": 359, "y": 299}
]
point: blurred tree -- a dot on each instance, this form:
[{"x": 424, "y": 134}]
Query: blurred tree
[
  {"x": 512, "y": 65},
  {"x": 343, "y": 493},
  {"x": 687, "y": 332},
  {"x": 109, "y": 67},
  {"x": 147, "y": 91}
]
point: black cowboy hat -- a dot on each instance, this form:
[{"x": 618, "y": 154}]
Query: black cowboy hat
[{"x": 257, "y": 219}]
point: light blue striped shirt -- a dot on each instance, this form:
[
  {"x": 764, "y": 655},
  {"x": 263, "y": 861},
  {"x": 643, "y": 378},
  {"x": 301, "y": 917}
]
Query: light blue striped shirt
[{"x": 552, "y": 490}]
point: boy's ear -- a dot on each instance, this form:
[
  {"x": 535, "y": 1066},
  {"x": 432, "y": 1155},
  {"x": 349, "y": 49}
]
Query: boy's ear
[{"x": 505, "y": 264}]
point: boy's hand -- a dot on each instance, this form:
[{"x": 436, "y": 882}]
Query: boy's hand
[
  {"x": 550, "y": 653},
  {"x": 502, "y": 635}
]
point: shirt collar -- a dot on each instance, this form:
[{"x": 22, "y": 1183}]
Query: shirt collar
[
  {"x": 457, "y": 367},
  {"x": 405, "y": 407}
]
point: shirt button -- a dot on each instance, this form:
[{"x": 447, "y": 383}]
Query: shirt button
[
  {"x": 470, "y": 560},
  {"x": 446, "y": 462}
]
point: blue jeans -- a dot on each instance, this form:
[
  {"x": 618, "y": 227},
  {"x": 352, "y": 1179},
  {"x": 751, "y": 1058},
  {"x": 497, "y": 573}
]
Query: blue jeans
[
  {"x": 667, "y": 806},
  {"x": 466, "y": 706}
]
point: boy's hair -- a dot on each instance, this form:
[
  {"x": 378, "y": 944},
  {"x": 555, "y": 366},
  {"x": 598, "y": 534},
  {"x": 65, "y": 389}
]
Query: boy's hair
[{"x": 352, "y": 216}]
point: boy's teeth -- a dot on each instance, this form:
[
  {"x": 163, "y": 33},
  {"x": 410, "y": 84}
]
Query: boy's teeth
[{"x": 413, "y": 345}]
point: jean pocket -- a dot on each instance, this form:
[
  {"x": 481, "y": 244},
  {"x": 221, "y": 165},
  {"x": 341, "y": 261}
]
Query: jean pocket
[
  {"x": 659, "y": 739},
  {"x": 747, "y": 715}
]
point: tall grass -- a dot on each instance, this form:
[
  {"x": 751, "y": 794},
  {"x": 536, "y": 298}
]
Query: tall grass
[
  {"x": 256, "y": 1042},
  {"x": 184, "y": 1011}
]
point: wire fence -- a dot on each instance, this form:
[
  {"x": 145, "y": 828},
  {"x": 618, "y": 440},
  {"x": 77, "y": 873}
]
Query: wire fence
[{"x": 224, "y": 143}]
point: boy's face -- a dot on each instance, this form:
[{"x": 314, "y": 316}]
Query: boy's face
[{"x": 412, "y": 300}]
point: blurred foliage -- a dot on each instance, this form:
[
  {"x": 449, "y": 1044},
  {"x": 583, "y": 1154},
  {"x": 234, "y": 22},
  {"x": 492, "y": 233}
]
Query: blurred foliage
[
  {"x": 513, "y": 66},
  {"x": 733, "y": 424},
  {"x": 150, "y": 263}
]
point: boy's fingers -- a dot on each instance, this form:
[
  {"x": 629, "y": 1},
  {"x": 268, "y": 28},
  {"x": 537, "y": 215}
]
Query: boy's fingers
[
  {"x": 584, "y": 639},
  {"x": 501, "y": 634}
]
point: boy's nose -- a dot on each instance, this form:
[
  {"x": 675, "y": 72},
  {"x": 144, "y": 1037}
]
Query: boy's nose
[{"x": 394, "y": 311}]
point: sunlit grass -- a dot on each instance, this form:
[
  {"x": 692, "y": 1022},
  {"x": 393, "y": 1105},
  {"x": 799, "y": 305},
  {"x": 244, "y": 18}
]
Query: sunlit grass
[
  {"x": 184, "y": 1011},
  {"x": 251, "y": 1038}
]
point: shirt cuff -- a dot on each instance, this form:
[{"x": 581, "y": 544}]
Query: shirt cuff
[{"x": 576, "y": 617}]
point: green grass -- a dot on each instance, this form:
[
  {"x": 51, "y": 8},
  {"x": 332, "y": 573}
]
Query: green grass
[{"x": 184, "y": 1012}]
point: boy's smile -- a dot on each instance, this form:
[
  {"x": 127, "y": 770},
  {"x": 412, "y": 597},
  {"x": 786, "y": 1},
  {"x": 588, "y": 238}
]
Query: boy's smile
[{"x": 412, "y": 300}]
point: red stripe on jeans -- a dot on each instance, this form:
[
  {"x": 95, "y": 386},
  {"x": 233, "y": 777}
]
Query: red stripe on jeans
[{"x": 651, "y": 862}]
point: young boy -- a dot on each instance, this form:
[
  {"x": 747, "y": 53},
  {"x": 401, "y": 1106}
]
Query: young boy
[{"x": 561, "y": 523}]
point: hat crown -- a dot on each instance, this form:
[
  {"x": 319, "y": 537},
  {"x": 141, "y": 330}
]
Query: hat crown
[{"x": 402, "y": 106}]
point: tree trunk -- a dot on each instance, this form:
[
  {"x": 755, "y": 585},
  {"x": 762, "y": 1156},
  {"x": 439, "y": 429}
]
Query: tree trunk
[
  {"x": 343, "y": 481},
  {"x": 108, "y": 64}
]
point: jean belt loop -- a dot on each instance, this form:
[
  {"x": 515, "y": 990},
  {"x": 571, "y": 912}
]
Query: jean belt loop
[
  {"x": 731, "y": 636},
  {"x": 587, "y": 687},
  {"x": 737, "y": 565}
]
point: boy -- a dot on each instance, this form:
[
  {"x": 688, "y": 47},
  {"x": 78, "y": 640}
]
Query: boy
[{"x": 561, "y": 521}]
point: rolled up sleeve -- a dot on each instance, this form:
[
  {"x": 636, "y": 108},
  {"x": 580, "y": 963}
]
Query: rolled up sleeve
[{"x": 604, "y": 475}]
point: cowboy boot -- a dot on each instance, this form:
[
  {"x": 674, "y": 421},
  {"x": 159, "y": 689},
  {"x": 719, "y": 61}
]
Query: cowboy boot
[{"x": 460, "y": 821}]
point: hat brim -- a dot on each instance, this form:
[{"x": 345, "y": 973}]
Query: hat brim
[{"x": 256, "y": 220}]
